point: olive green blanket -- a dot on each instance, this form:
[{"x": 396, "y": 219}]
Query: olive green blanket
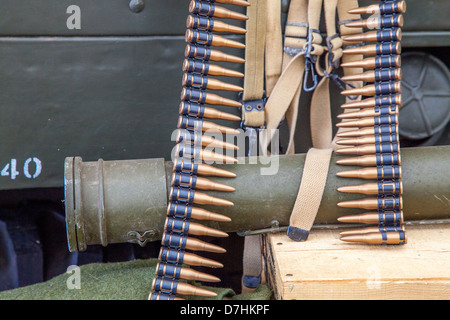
[{"x": 112, "y": 281}]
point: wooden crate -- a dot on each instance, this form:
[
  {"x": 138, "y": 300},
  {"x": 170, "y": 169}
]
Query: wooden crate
[{"x": 324, "y": 267}]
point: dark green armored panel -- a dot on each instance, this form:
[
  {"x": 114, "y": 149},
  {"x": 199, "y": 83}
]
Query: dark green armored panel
[{"x": 108, "y": 90}]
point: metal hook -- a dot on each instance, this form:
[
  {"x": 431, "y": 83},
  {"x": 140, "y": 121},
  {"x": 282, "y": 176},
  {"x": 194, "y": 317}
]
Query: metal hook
[{"x": 309, "y": 66}]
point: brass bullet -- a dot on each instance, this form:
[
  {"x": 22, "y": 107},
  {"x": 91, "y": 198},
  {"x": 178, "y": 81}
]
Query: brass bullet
[
  {"x": 382, "y": 8},
  {"x": 375, "y": 102},
  {"x": 178, "y": 272},
  {"x": 201, "y": 96},
  {"x": 184, "y": 165},
  {"x": 370, "y": 149},
  {"x": 385, "y": 61},
  {"x": 391, "y": 218},
  {"x": 211, "y": 10},
  {"x": 369, "y": 139},
  {"x": 188, "y": 211},
  {"x": 383, "y": 48},
  {"x": 369, "y": 112},
  {"x": 201, "y": 230},
  {"x": 203, "y": 67},
  {"x": 183, "y": 241},
  {"x": 372, "y": 229},
  {"x": 377, "y": 130},
  {"x": 371, "y": 160},
  {"x": 388, "y": 203},
  {"x": 380, "y": 74},
  {"x": 382, "y": 88},
  {"x": 195, "y": 138},
  {"x": 385, "y": 172},
  {"x": 242, "y": 3},
  {"x": 390, "y": 34},
  {"x": 210, "y": 24},
  {"x": 381, "y": 187},
  {"x": 370, "y": 121},
  {"x": 187, "y": 180},
  {"x": 206, "y": 53},
  {"x": 199, "y": 125},
  {"x": 197, "y": 110},
  {"x": 197, "y": 154},
  {"x": 176, "y": 287},
  {"x": 210, "y": 39},
  {"x": 162, "y": 296},
  {"x": 191, "y": 196},
  {"x": 182, "y": 257},
  {"x": 378, "y": 238},
  {"x": 377, "y": 22},
  {"x": 204, "y": 82}
]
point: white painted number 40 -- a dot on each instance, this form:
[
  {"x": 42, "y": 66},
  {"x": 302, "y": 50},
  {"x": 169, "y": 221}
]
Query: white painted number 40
[{"x": 10, "y": 169}]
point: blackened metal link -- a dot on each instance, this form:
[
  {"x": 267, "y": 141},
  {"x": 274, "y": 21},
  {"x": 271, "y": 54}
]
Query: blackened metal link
[
  {"x": 175, "y": 241},
  {"x": 388, "y": 172},
  {"x": 389, "y": 187}
]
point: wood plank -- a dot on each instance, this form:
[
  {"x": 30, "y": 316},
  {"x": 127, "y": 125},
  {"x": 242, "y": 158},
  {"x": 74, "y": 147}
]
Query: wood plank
[{"x": 323, "y": 267}]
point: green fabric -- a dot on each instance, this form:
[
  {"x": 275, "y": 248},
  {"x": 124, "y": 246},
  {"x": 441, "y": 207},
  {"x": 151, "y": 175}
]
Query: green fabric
[{"x": 113, "y": 281}]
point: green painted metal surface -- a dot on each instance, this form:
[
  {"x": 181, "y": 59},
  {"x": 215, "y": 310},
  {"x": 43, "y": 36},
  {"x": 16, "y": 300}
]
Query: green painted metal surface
[{"x": 126, "y": 201}]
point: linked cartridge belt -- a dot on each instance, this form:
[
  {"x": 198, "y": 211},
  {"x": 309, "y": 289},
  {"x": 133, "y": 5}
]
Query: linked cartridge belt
[
  {"x": 188, "y": 170},
  {"x": 375, "y": 137}
]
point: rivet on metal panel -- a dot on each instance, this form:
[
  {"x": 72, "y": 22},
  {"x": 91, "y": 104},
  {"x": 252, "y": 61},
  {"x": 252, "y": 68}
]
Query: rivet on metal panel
[{"x": 137, "y": 6}]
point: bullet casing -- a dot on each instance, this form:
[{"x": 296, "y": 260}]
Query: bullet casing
[
  {"x": 177, "y": 272},
  {"x": 182, "y": 257},
  {"x": 186, "y": 123},
  {"x": 190, "y": 196},
  {"x": 186, "y": 180},
  {"x": 384, "y": 218},
  {"x": 206, "y": 53},
  {"x": 388, "y": 21},
  {"x": 391, "y": 129},
  {"x": 205, "y": 68},
  {"x": 174, "y": 287},
  {"x": 187, "y": 211},
  {"x": 204, "y": 82},
  {"x": 382, "y": 35},
  {"x": 234, "y": 2},
  {"x": 383, "y": 48},
  {"x": 198, "y": 154},
  {"x": 181, "y": 165},
  {"x": 210, "y": 24},
  {"x": 370, "y": 139},
  {"x": 372, "y": 160},
  {"x": 386, "y": 172},
  {"x": 389, "y": 203},
  {"x": 194, "y": 109},
  {"x": 381, "y": 88},
  {"x": 162, "y": 296},
  {"x": 385, "y": 8},
  {"x": 211, "y": 10},
  {"x": 377, "y": 75},
  {"x": 210, "y": 39},
  {"x": 183, "y": 241},
  {"x": 373, "y": 229},
  {"x": 375, "y": 102},
  {"x": 370, "y": 112},
  {"x": 393, "y": 187},
  {"x": 186, "y": 227},
  {"x": 201, "y": 96},
  {"x": 378, "y": 238},
  {"x": 381, "y": 61}
]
